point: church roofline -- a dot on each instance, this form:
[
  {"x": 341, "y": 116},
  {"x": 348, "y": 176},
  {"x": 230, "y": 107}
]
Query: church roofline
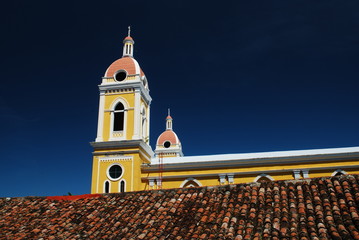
[{"x": 277, "y": 156}]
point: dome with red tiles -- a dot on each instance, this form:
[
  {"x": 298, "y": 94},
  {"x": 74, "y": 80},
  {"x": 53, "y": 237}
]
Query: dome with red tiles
[
  {"x": 129, "y": 64},
  {"x": 128, "y": 38},
  {"x": 168, "y": 136}
]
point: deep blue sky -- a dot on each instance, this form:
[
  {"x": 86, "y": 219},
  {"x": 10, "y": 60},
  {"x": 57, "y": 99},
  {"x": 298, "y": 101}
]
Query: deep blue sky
[{"x": 239, "y": 76}]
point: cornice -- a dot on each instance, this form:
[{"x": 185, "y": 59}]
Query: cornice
[
  {"x": 253, "y": 162},
  {"x": 137, "y": 85},
  {"x": 250, "y": 172}
]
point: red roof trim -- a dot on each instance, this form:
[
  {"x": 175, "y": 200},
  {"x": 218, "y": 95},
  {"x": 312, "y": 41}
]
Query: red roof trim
[{"x": 75, "y": 197}]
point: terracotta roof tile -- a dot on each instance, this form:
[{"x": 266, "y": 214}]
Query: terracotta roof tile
[{"x": 325, "y": 208}]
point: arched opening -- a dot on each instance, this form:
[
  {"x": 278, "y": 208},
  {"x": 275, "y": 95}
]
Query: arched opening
[
  {"x": 339, "y": 172},
  {"x": 191, "y": 184},
  {"x": 263, "y": 178},
  {"x": 122, "y": 186},
  {"x": 107, "y": 187},
  {"x": 119, "y": 115}
]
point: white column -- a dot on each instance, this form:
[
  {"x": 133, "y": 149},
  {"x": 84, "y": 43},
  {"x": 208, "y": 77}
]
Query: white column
[
  {"x": 137, "y": 115},
  {"x": 148, "y": 124},
  {"x": 101, "y": 113}
]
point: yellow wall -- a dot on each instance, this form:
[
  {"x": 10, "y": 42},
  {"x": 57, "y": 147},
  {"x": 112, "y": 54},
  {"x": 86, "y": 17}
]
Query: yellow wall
[{"x": 285, "y": 173}]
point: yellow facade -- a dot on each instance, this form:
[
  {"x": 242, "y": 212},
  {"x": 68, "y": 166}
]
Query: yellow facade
[{"x": 124, "y": 161}]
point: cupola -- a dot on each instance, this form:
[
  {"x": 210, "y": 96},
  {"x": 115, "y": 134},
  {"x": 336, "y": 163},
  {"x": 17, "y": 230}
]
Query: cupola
[{"x": 168, "y": 143}]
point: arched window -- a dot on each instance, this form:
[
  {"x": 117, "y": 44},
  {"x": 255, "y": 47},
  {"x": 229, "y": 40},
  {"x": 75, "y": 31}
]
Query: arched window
[
  {"x": 122, "y": 186},
  {"x": 107, "y": 187},
  {"x": 119, "y": 115}
]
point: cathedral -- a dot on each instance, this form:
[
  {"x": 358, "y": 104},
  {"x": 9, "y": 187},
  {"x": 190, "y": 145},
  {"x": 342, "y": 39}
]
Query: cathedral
[{"x": 124, "y": 161}]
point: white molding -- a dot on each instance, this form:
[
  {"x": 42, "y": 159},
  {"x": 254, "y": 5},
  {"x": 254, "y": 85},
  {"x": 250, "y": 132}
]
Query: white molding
[
  {"x": 339, "y": 171},
  {"x": 191, "y": 179},
  {"x": 263, "y": 175},
  {"x": 101, "y": 113},
  {"x": 117, "y": 158},
  {"x": 135, "y": 84},
  {"x": 264, "y": 157},
  {"x": 137, "y": 115}
]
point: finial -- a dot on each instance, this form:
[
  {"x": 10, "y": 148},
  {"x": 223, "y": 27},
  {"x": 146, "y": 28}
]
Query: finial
[
  {"x": 129, "y": 31},
  {"x": 169, "y": 112}
]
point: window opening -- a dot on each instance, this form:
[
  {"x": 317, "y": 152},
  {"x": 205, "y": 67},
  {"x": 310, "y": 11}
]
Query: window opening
[
  {"x": 115, "y": 171},
  {"x": 167, "y": 144},
  {"x": 122, "y": 186},
  {"x": 107, "y": 187},
  {"x": 119, "y": 117}
]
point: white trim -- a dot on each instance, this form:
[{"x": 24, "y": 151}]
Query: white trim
[
  {"x": 117, "y": 158},
  {"x": 261, "y": 155},
  {"x": 112, "y": 108},
  {"x": 148, "y": 122},
  {"x": 101, "y": 113},
  {"x": 108, "y": 172},
  {"x": 263, "y": 175},
  {"x": 339, "y": 171},
  {"x": 191, "y": 179},
  {"x": 104, "y": 186},
  {"x": 137, "y": 67},
  {"x": 137, "y": 115}
]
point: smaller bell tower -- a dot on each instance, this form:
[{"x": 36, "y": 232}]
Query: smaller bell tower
[
  {"x": 168, "y": 144},
  {"x": 122, "y": 142}
]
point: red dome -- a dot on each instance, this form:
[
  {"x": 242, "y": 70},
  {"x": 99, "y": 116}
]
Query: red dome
[
  {"x": 126, "y": 63},
  {"x": 128, "y": 38},
  {"x": 168, "y": 135}
]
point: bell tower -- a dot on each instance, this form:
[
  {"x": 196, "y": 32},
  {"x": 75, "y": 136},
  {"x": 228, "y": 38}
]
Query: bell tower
[{"x": 122, "y": 142}]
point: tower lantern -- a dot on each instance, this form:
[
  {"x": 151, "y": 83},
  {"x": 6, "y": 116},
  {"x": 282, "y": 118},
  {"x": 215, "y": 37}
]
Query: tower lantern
[{"x": 128, "y": 45}]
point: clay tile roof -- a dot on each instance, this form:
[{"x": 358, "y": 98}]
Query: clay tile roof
[
  {"x": 126, "y": 63},
  {"x": 323, "y": 208},
  {"x": 168, "y": 135}
]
